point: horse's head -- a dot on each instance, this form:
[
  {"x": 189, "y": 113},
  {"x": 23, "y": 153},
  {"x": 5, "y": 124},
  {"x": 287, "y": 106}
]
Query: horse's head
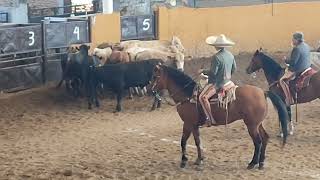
[
  {"x": 158, "y": 79},
  {"x": 256, "y": 62}
]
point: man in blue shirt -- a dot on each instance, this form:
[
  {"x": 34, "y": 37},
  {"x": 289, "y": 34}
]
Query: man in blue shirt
[{"x": 299, "y": 61}]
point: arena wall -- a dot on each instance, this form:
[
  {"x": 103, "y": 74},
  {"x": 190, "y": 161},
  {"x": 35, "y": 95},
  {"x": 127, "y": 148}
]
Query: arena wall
[
  {"x": 105, "y": 28},
  {"x": 251, "y": 27}
]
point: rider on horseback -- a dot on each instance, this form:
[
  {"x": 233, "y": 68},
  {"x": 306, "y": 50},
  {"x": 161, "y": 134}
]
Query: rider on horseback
[
  {"x": 222, "y": 67},
  {"x": 298, "y": 63}
]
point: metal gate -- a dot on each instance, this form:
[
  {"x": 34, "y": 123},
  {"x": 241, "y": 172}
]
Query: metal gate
[
  {"x": 31, "y": 54},
  {"x": 59, "y": 36},
  {"x": 20, "y": 56}
]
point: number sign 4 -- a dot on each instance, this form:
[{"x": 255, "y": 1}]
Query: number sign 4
[{"x": 76, "y": 31}]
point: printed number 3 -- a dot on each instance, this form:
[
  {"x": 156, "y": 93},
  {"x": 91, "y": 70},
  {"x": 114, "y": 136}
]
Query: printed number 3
[
  {"x": 31, "y": 38},
  {"x": 146, "y": 24},
  {"x": 77, "y": 32}
]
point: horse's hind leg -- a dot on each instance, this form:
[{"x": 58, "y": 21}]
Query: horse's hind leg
[
  {"x": 185, "y": 136},
  {"x": 196, "y": 135},
  {"x": 265, "y": 138},
  {"x": 257, "y": 141},
  {"x": 291, "y": 127}
]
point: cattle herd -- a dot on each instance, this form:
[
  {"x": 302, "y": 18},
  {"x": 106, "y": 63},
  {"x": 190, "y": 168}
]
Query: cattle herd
[{"x": 120, "y": 67}]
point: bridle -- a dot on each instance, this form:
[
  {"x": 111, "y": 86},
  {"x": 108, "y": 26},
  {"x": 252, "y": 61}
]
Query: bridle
[{"x": 155, "y": 83}]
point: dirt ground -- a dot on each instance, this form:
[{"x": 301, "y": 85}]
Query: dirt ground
[{"x": 46, "y": 134}]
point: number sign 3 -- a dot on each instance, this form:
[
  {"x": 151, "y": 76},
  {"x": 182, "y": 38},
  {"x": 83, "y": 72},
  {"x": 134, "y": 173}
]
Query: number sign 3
[{"x": 31, "y": 38}]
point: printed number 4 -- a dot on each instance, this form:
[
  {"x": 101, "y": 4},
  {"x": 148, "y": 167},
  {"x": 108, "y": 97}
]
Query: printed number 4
[
  {"x": 146, "y": 24},
  {"x": 31, "y": 38},
  {"x": 77, "y": 32}
]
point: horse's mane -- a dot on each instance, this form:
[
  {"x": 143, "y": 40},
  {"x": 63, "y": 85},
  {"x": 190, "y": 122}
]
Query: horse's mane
[
  {"x": 271, "y": 67},
  {"x": 185, "y": 82}
]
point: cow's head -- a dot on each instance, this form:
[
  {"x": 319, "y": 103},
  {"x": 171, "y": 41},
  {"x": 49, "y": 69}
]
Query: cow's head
[{"x": 178, "y": 61}]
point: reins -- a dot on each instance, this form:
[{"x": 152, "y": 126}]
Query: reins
[{"x": 176, "y": 92}]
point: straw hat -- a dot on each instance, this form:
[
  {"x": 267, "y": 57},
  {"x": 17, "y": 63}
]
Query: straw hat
[{"x": 219, "y": 41}]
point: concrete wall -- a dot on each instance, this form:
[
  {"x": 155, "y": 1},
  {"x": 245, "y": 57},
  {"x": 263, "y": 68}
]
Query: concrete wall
[
  {"x": 43, "y": 3},
  {"x": 250, "y": 27},
  {"x": 17, "y": 13}
]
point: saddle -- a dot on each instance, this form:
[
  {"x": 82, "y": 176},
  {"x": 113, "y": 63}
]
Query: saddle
[
  {"x": 300, "y": 82},
  {"x": 222, "y": 98}
]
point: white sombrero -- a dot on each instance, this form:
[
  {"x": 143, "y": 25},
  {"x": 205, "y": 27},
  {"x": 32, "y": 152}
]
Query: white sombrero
[{"x": 219, "y": 41}]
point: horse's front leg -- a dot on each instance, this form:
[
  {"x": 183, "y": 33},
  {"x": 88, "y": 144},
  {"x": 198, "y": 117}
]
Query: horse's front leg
[
  {"x": 185, "y": 136},
  {"x": 291, "y": 126},
  {"x": 196, "y": 135}
]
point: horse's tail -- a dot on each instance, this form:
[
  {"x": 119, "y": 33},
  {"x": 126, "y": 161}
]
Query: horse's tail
[{"x": 282, "y": 112}]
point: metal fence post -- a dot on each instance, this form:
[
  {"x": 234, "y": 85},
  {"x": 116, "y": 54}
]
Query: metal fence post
[{"x": 44, "y": 52}]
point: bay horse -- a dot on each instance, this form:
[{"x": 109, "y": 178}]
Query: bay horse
[
  {"x": 273, "y": 72},
  {"x": 250, "y": 105}
]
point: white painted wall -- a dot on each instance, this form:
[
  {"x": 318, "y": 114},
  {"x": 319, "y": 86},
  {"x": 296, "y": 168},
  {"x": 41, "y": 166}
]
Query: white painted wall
[
  {"x": 18, "y": 14},
  {"x": 107, "y": 6}
]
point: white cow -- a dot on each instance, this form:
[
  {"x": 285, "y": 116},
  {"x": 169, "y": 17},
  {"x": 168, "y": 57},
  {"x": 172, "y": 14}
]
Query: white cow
[{"x": 102, "y": 54}]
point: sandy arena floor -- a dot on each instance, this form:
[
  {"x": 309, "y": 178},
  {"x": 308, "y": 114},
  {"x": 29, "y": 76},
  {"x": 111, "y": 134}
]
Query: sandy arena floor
[{"x": 46, "y": 134}]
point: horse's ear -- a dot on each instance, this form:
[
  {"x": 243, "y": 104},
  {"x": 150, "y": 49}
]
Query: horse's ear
[
  {"x": 260, "y": 49},
  {"x": 257, "y": 52}
]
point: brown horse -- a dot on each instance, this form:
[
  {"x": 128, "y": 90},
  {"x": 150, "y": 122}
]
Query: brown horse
[
  {"x": 273, "y": 72},
  {"x": 250, "y": 105}
]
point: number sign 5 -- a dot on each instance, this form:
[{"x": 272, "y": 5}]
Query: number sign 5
[{"x": 146, "y": 24}]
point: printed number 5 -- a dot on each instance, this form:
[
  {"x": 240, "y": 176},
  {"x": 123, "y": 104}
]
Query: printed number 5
[
  {"x": 77, "y": 32},
  {"x": 31, "y": 38},
  {"x": 146, "y": 24}
]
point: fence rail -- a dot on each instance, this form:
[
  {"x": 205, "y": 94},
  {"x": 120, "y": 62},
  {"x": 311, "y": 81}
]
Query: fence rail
[{"x": 36, "y": 15}]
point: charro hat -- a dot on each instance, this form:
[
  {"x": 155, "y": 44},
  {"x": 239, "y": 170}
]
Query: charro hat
[{"x": 219, "y": 41}]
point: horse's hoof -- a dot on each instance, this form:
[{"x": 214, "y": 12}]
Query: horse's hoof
[
  {"x": 261, "y": 166},
  {"x": 183, "y": 164},
  {"x": 198, "y": 162},
  {"x": 251, "y": 166},
  {"x": 280, "y": 135},
  {"x": 291, "y": 132},
  {"x": 118, "y": 109}
]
